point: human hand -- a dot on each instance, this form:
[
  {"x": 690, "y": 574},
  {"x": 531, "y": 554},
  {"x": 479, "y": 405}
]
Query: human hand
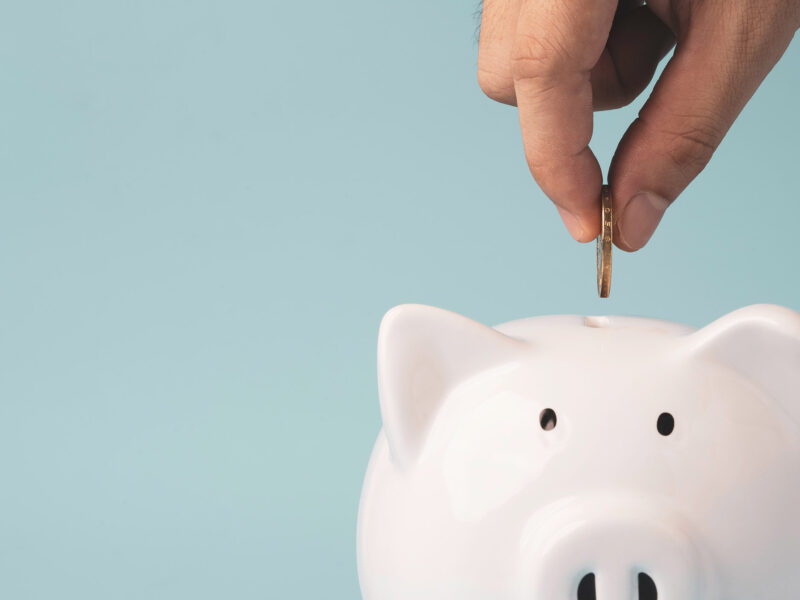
[{"x": 559, "y": 60}]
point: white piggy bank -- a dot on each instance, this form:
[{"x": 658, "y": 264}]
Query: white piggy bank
[{"x": 571, "y": 458}]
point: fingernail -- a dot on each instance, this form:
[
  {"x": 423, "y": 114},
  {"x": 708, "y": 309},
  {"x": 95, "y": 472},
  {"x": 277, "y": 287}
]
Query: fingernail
[
  {"x": 572, "y": 222},
  {"x": 640, "y": 218}
]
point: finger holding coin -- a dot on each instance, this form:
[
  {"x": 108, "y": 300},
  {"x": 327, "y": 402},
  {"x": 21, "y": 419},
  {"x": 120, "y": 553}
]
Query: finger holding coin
[{"x": 605, "y": 243}]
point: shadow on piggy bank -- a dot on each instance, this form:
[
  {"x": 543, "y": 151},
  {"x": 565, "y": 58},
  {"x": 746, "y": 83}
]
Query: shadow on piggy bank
[{"x": 564, "y": 457}]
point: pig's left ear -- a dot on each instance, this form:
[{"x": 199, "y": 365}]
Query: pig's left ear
[
  {"x": 423, "y": 353},
  {"x": 762, "y": 343}
]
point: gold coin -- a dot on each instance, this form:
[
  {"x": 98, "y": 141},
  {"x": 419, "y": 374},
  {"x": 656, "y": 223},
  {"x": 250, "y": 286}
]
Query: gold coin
[{"x": 604, "y": 244}]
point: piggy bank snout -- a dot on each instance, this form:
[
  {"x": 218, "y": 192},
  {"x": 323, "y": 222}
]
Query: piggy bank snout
[{"x": 605, "y": 552}]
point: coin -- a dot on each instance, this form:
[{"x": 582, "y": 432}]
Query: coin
[{"x": 604, "y": 244}]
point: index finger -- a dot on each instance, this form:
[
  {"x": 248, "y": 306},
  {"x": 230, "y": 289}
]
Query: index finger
[{"x": 557, "y": 44}]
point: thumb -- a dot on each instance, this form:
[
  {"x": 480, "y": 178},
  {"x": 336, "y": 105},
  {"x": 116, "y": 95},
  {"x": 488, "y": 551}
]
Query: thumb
[{"x": 716, "y": 68}]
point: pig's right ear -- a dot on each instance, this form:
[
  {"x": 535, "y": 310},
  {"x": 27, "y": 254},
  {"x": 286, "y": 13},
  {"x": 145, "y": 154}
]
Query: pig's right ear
[
  {"x": 423, "y": 353},
  {"x": 762, "y": 343}
]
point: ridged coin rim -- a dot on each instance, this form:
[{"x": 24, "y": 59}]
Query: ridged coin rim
[{"x": 605, "y": 243}]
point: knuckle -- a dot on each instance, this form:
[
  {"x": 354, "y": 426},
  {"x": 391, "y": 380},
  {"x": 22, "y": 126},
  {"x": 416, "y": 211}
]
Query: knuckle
[
  {"x": 496, "y": 85},
  {"x": 691, "y": 146},
  {"x": 535, "y": 57}
]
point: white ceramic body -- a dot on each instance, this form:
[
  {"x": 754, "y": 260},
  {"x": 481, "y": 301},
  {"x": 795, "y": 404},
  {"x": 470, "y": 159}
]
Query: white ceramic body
[{"x": 466, "y": 497}]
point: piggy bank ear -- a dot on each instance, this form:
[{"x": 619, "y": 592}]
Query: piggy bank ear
[
  {"x": 762, "y": 343},
  {"x": 423, "y": 353}
]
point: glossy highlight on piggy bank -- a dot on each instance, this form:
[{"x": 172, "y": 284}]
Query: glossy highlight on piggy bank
[{"x": 584, "y": 458}]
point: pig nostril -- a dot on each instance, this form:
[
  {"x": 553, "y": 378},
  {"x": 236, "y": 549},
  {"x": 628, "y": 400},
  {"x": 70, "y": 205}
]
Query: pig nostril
[
  {"x": 647, "y": 587},
  {"x": 547, "y": 419},
  {"x": 665, "y": 424},
  {"x": 586, "y": 589}
]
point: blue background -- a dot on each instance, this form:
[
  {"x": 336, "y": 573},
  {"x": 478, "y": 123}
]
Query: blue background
[{"x": 206, "y": 209}]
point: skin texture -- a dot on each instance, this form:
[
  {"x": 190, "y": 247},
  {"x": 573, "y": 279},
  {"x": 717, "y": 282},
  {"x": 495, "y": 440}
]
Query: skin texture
[{"x": 560, "y": 60}]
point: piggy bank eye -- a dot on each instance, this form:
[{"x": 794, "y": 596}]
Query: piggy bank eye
[
  {"x": 665, "y": 424},
  {"x": 548, "y": 419}
]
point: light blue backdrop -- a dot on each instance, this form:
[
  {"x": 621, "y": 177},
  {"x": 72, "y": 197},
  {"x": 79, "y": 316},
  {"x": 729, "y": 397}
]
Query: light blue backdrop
[{"x": 206, "y": 209}]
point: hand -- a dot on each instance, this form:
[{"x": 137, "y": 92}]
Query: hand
[{"x": 558, "y": 60}]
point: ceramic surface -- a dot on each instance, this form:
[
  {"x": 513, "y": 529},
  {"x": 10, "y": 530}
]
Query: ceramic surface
[{"x": 472, "y": 494}]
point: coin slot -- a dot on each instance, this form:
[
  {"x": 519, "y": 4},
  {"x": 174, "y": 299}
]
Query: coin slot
[
  {"x": 665, "y": 424},
  {"x": 548, "y": 419},
  {"x": 586, "y": 588},
  {"x": 597, "y": 322},
  {"x": 647, "y": 587}
]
